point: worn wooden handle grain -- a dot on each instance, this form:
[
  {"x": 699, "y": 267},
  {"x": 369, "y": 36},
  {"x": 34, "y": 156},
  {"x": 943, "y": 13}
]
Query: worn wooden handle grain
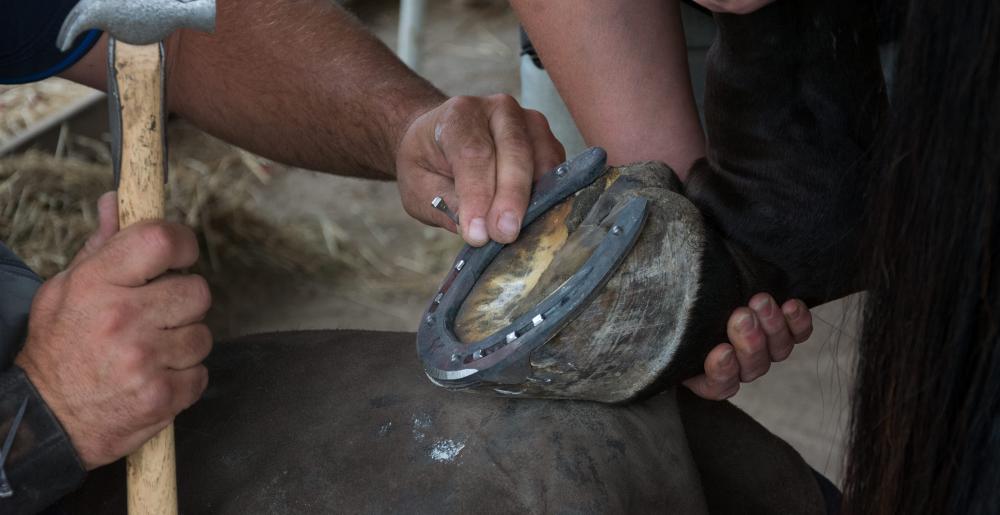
[
  {"x": 138, "y": 72},
  {"x": 151, "y": 470}
]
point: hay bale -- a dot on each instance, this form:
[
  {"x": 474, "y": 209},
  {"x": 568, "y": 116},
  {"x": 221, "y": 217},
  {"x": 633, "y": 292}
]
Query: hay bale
[{"x": 48, "y": 209}]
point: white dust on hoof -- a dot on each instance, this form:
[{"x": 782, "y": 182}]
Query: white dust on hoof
[
  {"x": 384, "y": 428},
  {"x": 445, "y": 451}
]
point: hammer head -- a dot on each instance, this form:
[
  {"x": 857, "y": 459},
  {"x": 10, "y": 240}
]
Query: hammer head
[{"x": 138, "y": 22}]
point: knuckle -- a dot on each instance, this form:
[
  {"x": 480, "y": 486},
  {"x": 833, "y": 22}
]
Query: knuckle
[
  {"x": 712, "y": 380},
  {"x": 201, "y": 340},
  {"x": 774, "y": 327},
  {"x": 460, "y": 105},
  {"x": 505, "y": 101},
  {"x": 476, "y": 150},
  {"x": 534, "y": 117},
  {"x": 155, "y": 399},
  {"x": 719, "y": 373},
  {"x": 116, "y": 317},
  {"x": 157, "y": 238},
  {"x": 752, "y": 344},
  {"x": 200, "y": 293},
  {"x": 475, "y": 204},
  {"x": 509, "y": 197},
  {"x": 516, "y": 141},
  {"x": 134, "y": 359}
]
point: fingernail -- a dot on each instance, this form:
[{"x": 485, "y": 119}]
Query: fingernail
[
  {"x": 792, "y": 311},
  {"x": 744, "y": 322},
  {"x": 764, "y": 306},
  {"x": 508, "y": 224},
  {"x": 477, "y": 231},
  {"x": 728, "y": 356}
]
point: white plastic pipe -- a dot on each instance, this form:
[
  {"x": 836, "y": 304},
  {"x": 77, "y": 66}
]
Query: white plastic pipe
[{"x": 411, "y": 26}]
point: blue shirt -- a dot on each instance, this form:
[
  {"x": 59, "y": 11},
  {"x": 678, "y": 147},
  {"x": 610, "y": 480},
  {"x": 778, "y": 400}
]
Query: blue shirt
[{"x": 28, "y": 30}]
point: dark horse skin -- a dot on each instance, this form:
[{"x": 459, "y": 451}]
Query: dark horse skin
[
  {"x": 794, "y": 104},
  {"x": 794, "y": 101},
  {"x": 346, "y": 422}
]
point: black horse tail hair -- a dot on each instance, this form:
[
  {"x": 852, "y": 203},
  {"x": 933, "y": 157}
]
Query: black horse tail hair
[{"x": 925, "y": 426}]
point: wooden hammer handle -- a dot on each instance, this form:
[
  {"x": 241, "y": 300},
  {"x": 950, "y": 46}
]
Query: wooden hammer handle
[
  {"x": 151, "y": 470},
  {"x": 139, "y": 78}
]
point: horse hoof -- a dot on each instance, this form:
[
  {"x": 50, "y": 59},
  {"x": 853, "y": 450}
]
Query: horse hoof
[{"x": 613, "y": 289}]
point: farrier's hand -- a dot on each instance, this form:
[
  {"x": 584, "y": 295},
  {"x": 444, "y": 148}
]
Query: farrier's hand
[
  {"x": 115, "y": 342},
  {"x": 480, "y": 154},
  {"x": 761, "y": 333},
  {"x": 733, "y": 6}
]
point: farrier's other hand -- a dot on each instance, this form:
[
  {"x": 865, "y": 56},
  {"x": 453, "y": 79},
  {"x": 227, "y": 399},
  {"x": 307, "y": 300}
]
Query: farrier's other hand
[
  {"x": 760, "y": 334},
  {"x": 115, "y": 342},
  {"x": 733, "y": 6},
  {"x": 481, "y": 155}
]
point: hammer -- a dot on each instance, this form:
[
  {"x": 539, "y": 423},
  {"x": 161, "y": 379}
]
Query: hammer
[{"x": 137, "y": 107}]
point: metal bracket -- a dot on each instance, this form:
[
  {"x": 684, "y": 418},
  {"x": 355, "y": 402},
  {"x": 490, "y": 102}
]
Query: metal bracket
[{"x": 500, "y": 357}]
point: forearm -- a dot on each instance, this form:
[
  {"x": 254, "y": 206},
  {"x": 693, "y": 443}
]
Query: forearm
[
  {"x": 621, "y": 68},
  {"x": 301, "y": 82}
]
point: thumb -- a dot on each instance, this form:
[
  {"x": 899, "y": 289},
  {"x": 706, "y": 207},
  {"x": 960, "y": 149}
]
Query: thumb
[{"x": 107, "y": 226}]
